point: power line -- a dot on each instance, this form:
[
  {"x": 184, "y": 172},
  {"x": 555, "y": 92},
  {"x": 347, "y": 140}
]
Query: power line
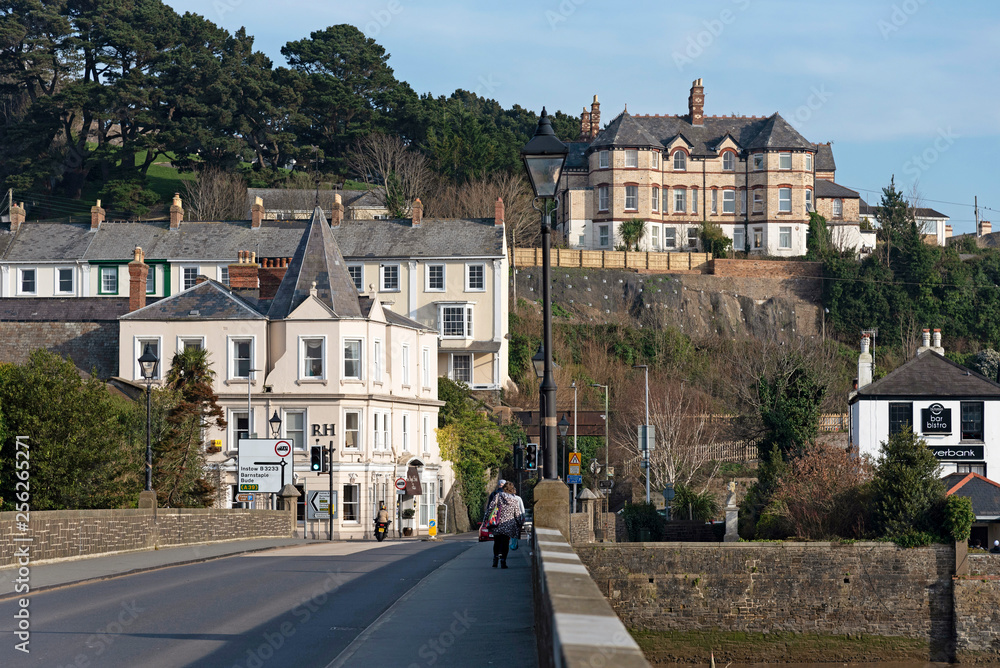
[{"x": 922, "y": 199}]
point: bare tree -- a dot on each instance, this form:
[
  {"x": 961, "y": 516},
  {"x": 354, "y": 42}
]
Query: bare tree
[
  {"x": 386, "y": 160},
  {"x": 477, "y": 199},
  {"x": 215, "y": 194}
]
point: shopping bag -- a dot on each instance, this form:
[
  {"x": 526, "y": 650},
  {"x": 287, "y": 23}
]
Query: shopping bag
[{"x": 513, "y": 543}]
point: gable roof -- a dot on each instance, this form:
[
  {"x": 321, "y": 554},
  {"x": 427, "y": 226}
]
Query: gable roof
[
  {"x": 391, "y": 317},
  {"x": 825, "y": 188},
  {"x": 208, "y": 300},
  {"x": 864, "y": 208},
  {"x": 930, "y": 375},
  {"x": 288, "y": 200},
  {"x": 49, "y": 242},
  {"x": 983, "y": 492},
  {"x": 434, "y": 238},
  {"x": 625, "y": 131},
  {"x": 317, "y": 260}
]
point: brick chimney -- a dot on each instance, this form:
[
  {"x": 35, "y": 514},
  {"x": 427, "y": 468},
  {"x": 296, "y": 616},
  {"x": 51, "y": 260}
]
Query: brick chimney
[
  {"x": 418, "y": 213},
  {"x": 256, "y": 213},
  {"x": 176, "y": 212},
  {"x": 96, "y": 216},
  {"x": 498, "y": 212},
  {"x": 696, "y": 103},
  {"x": 947, "y": 231},
  {"x": 244, "y": 274},
  {"x": 985, "y": 227},
  {"x": 16, "y": 216},
  {"x": 595, "y": 117},
  {"x": 337, "y": 212},
  {"x": 137, "y": 273},
  {"x": 585, "y": 125}
]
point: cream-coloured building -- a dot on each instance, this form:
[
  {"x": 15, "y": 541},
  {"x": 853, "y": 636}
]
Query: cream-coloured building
[
  {"x": 755, "y": 177},
  {"x": 337, "y": 367}
]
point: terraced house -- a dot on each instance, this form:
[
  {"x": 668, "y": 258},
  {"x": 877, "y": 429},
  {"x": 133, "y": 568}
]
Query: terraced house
[{"x": 756, "y": 177}]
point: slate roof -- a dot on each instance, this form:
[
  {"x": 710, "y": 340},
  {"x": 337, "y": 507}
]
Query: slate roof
[
  {"x": 208, "y": 300},
  {"x": 435, "y": 237},
  {"x": 930, "y": 375},
  {"x": 625, "y": 130},
  {"x": 391, "y": 317},
  {"x": 920, "y": 212},
  {"x": 304, "y": 199},
  {"x": 59, "y": 309},
  {"x": 826, "y": 188},
  {"x": 824, "y": 158},
  {"x": 983, "y": 492},
  {"x": 577, "y": 158},
  {"x": 777, "y": 134},
  {"x": 45, "y": 242},
  {"x": 317, "y": 260}
]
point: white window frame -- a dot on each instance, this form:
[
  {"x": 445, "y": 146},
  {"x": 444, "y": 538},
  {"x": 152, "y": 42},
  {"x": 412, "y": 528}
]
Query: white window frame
[
  {"x": 223, "y": 273},
  {"x": 729, "y": 201},
  {"x": 809, "y": 200},
  {"x": 669, "y": 237},
  {"x": 57, "y": 281},
  {"x": 784, "y": 161},
  {"x": 758, "y": 162},
  {"x": 405, "y": 431},
  {"x": 715, "y": 202},
  {"x": 359, "y": 431},
  {"x": 425, "y": 433},
  {"x": 655, "y": 198},
  {"x": 758, "y": 201},
  {"x": 739, "y": 241},
  {"x": 603, "y": 200},
  {"x": 467, "y": 314},
  {"x": 425, "y": 367},
  {"x": 680, "y": 200},
  {"x": 631, "y": 157},
  {"x": 743, "y": 200},
  {"x": 360, "y": 362},
  {"x": 428, "y": 287},
  {"x": 183, "y": 340},
  {"x": 381, "y": 430},
  {"x": 632, "y": 194},
  {"x": 694, "y": 200},
  {"x": 469, "y": 285},
  {"x": 355, "y": 504},
  {"x": 809, "y": 162},
  {"x": 692, "y": 241},
  {"x": 377, "y": 362},
  {"x": 231, "y": 363},
  {"x": 384, "y": 285},
  {"x": 305, "y": 428},
  {"x": 784, "y": 200},
  {"x": 758, "y": 238},
  {"x": 184, "y": 280},
  {"x": 112, "y": 271},
  {"x": 21, "y": 276},
  {"x": 837, "y": 207},
  {"x": 303, "y": 375},
  {"x": 139, "y": 347},
  {"x": 785, "y": 233},
  {"x": 654, "y": 159},
  {"x": 728, "y": 161},
  {"x": 680, "y": 161},
  {"x": 151, "y": 279},
  {"x": 604, "y": 236},
  {"x": 359, "y": 281},
  {"x": 405, "y": 364},
  {"x": 451, "y": 367},
  {"x": 603, "y": 159},
  {"x": 233, "y": 426},
  {"x": 654, "y": 235}
]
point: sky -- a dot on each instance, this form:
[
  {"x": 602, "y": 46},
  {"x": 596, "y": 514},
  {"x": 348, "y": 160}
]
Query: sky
[{"x": 904, "y": 88}]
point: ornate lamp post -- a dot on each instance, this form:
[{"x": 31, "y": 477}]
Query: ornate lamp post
[{"x": 147, "y": 364}]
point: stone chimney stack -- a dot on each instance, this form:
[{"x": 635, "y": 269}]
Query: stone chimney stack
[
  {"x": 595, "y": 117},
  {"x": 176, "y": 212},
  {"x": 244, "y": 275},
  {"x": 585, "y": 125},
  {"x": 947, "y": 231},
  {"x": 96, "y": 216},
  {"x": 256, "y": 213},
  {"x": 985, "y": 227},
  {"x": 498, "y": 212},
  {"x": 337, "y": 211},
  {"x": 864, "y": 363},
  {"x": 418, "y": 213},
  {"x": 17, "y": 214},
  {"x": 138, "y": 271},
  {"x": 696, "y": 103}
]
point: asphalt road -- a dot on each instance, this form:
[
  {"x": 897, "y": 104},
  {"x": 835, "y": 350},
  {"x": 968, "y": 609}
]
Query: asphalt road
[{"x": 305, "y": 606}]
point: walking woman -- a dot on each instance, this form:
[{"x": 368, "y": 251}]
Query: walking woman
[{"x": 508, "y": 520}]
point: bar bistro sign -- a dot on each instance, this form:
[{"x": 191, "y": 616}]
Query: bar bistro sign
[{"x": 936, "y": 419}]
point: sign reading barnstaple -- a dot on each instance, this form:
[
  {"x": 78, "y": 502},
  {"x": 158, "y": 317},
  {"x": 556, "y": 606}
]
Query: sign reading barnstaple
[
  {"x": 960, "y": 452},
  {"x": 936, "y": 419}
]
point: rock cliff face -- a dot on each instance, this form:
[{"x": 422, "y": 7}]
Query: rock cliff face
[{"x": 701, "y": 306}]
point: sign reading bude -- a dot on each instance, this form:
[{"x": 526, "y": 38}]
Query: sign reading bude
[
  {"x": 262, "y": 464},
  {"x": 936, "y": 419}
]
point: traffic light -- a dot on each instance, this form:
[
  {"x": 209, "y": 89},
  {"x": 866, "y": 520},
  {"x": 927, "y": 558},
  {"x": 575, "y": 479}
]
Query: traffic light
[
  {"x": 326, "y": 459},
  {"x": 519, "y": 456},
  {"x": 316, "y": 458},
  {"x": 531, "y": 461}
]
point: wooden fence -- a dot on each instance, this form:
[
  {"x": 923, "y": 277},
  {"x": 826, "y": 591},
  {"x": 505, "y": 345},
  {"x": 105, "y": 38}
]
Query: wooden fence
[{"x": 586, "y": 259}]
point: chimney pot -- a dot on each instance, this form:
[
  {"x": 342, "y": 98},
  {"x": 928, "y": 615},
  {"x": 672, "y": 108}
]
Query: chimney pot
[
  {"x": 176, "y": 212},
  {"x": 937, "y": 338},
  {"x": 864, "y": 364},
  {"x": 696, "y": 103},
  {"x": 96, "y": 215},
  {"x": 244, "y": 274},
  {"x": 926, "y": 338}
]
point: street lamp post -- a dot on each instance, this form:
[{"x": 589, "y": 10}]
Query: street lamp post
[
  {"x": 563, "y": 430},
  {"x": 275, "y": 423},
  {"x": 645, "y": 440},
  {"x": 607, "y": 419},
  {"x": 147, "y": 365}
]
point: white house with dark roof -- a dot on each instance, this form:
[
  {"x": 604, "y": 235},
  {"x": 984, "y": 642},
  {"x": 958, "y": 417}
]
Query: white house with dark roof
[
  {"x": 335, "y": 366},
  {"x": 955, "y": 410},
  {"x": 756, "y": 177},
  {"x": 932, "y": 224}
]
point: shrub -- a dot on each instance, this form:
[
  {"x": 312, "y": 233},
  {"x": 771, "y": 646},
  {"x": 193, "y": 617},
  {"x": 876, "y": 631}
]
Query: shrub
[
  {"x": 958, "y": 518},
  {"x": 642, "y": 516},
  {"x": 687, "y": 502}
]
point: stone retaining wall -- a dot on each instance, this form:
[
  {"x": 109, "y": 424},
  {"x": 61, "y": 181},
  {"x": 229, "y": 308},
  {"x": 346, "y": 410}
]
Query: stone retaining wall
[
  {"x": 766, "y": 268},
  {"x": 60, "y": 534}
]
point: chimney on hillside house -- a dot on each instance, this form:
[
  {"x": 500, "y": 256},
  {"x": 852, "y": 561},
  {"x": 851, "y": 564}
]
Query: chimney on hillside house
[
  {"x": 595, "y": 117},
  {"x": 17, "y": 214},
  {"x": 176, "y": 212},
  {"x": 947, "y": 231},
  {"x": 696, "y": 103},
  {"x": 936, "y": 342},
  {"x": 498, "y": 212},
  {"x": 585, "y": 125},
  {"x": 985, "y": 227},
  {"x": 138, "y": 270},
  {"x": 244, "y": 275},
  {"x": 418, "y": 213},
  {"x": 864, "y": 363},
  {"x": 256, "y": 213},
  {"x": 96, "y": 215},
  {"x": 337, "y": 211}
]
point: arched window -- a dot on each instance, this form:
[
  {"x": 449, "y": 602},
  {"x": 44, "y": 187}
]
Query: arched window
[
  {"x": 680, "y": 161},
  {"x": 728, "y": 161},
  {"x": 838, "y": 208}
]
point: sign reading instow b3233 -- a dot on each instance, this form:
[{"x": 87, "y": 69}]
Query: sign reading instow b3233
[{"x": 265, "y": 464}]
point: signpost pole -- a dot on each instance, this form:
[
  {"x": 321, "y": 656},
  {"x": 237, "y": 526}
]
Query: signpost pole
[{"x": 329, "y": 503}]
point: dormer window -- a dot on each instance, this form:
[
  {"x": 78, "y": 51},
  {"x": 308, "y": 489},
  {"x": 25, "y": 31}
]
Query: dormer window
[
  {"x": 728, "y": 161},
  {"x": 631, "y": 157},
  {"x": 680, "y": 161}
]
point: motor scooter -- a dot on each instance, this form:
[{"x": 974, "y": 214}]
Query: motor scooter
[{"x": 381, "y": 528}]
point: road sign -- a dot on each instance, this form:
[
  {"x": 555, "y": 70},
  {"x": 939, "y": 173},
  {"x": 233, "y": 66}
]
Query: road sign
[
  {"x": 605, "y": 484},
  {"x": 647, "y": 437},
  {"x": 244, "y": 498},
  {"x": 401, "y": 484},
  {"x": 574, "y": 464},
  {"x": 262, "y": 466},
  {"x": 574, "y": 480},
  {"x": 432, "y": 528},
  {"x": 318, "y": 505}
]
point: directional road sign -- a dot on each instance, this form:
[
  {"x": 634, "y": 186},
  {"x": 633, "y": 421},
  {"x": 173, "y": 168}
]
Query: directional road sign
[
  {"x": 318, "y": 505},
  {"x": 263, "y": 463},
  {"x": 244, "y": 498},
  {"x": 574, "y": 480}
]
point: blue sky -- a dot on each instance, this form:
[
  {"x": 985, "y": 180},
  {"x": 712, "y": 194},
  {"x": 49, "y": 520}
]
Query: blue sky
[{"x": 904, "y": 87}]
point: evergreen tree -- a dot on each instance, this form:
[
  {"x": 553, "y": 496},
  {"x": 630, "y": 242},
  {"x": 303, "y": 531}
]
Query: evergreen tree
[{"x": 906, "y": 489}]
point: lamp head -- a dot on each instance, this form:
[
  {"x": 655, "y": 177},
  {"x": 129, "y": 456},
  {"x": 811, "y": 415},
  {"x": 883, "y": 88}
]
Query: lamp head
[{"x": 544, "y": 156}]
